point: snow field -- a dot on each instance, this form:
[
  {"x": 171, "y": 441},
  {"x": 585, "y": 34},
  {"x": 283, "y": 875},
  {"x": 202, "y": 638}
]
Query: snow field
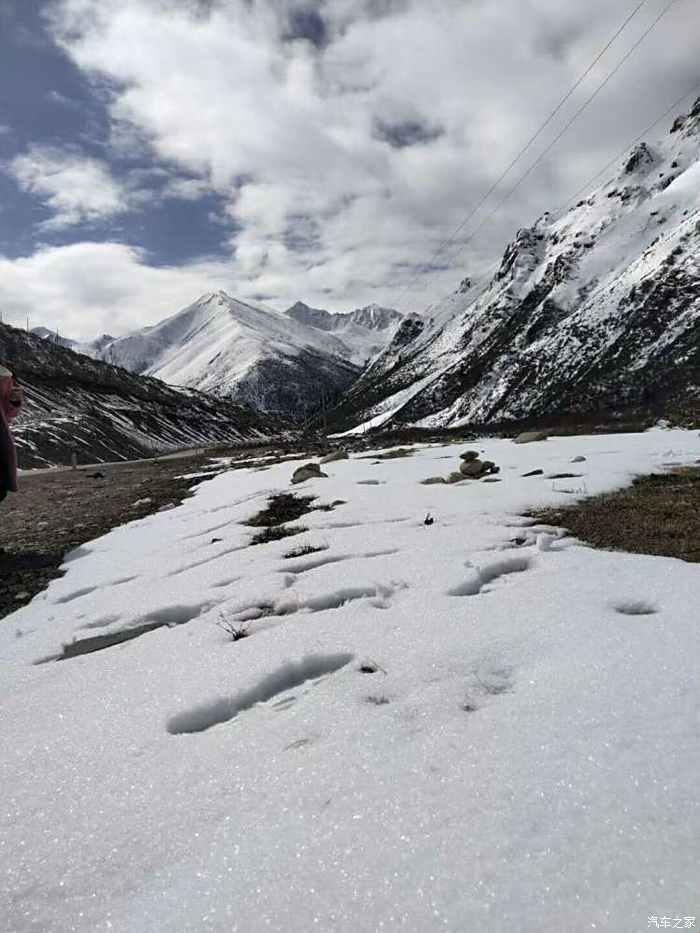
[{"x": 524, "y": 757}]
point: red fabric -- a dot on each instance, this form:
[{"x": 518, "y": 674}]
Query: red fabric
[{"x": 10, "y": 404}]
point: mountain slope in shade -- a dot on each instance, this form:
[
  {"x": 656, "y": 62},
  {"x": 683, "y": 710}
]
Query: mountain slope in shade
[
  {"x": 594, "y": 309},
  {"x": 365, "y": 332},
  {"x": 105, "y": 413},
  {"x": 241, "y": 351}
]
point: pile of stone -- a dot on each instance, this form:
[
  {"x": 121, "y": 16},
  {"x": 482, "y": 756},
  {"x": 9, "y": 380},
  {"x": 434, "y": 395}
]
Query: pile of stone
[
  {"x": 474, "y": 468},
  {"x": 471, "y": 467}
]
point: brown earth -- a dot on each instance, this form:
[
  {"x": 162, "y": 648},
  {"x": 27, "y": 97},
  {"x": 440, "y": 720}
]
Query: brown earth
[{"x": 58, "y": 510}]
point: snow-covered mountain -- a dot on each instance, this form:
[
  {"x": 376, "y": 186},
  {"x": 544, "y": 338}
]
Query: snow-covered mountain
[
  {"x": 106, "y": 413},
  {"x": 593, "y": 309},
  {"x": 365, "y": 332},
  {"x": 242, "y": 351},
  {"x": 87, "y": 348}
]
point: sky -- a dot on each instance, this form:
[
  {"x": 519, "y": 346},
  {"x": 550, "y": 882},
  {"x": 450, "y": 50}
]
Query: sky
[{"x": 284, "y": 150}]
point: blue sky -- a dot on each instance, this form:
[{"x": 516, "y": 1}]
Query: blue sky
[
  {"x": 45, "y": 100},
  {"x": 293, "y": 149}
]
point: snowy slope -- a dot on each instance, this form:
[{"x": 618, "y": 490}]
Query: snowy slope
[
  {"x": 524, "y": 757},
  {"x": 596, "y": 308},
  {"x": 241, "y": 351},
  {"x": 87, "y": 348},
  {"x": 364, "y": 332},
  {"x": 105, "y": 413}
]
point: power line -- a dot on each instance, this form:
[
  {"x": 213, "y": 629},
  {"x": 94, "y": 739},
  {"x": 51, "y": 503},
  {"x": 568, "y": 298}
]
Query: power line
[
  {"x": 566, "y": 127},
  {"x": 450, "y": 239},
  {"x": 674, "y": 107}
]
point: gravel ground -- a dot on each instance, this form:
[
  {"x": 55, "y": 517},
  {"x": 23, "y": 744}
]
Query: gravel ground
[{"x": 57, "y": 510}]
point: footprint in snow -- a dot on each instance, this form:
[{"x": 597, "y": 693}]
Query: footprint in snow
[
  {"x": 482, "y": 576},
  {"x": 285, "y": 678}
]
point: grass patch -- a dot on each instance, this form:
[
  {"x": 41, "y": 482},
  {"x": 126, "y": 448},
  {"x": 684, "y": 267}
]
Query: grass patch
[
  {"x": 276, "y": 533},
  {"x": 303, "y": 550},
  {"x": 657, "y": 514},
  {"x": 284, "y": 507}
]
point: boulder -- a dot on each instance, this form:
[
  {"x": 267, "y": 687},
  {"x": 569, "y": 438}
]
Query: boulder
[
  {"x": 307, "y": 471},
  {"x": 490, "y": 467},
  {"x": 534, "y": 473},
  {"x": 335, "y": 455},
  {"x": 528, "y": 437},
  {"x": 471, "y": 468},
  {"x": 455, "y": 477},
  {"x": 433, "y": 480},
  {"x": 469, "y": 455},
  {"x": 578, "y": 459}
]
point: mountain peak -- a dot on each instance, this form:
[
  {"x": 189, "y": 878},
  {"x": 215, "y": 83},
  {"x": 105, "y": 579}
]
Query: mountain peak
[{"x": 219, "y": 295}]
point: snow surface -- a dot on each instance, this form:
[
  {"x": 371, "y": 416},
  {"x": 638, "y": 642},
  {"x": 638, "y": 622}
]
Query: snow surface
[{"x": 524, "y": 758}]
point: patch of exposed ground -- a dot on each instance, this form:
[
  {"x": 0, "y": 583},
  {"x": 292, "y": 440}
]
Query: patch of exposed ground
[
  {"x": 58, "y": 510},
  {"x": 282, "y": 508},
  {"x": 657, "y": 514}
]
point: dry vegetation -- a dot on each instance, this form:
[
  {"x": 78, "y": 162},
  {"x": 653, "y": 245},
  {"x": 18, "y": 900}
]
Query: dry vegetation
[{"x": 658, "y": 514}]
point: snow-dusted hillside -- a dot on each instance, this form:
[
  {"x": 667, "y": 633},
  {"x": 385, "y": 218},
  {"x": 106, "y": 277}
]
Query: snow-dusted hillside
[
  {"x": 87, "y": 348},
  {"x": 596, "y": 308},
  {"x": 106, "y": 413},
  {"x": 364, "y": 332},
  {"x": 242, "y": 351},
  {"x": 476, "y": 725}
]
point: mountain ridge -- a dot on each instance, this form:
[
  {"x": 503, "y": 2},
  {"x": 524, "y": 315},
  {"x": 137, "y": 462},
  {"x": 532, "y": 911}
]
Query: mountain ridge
[
  {"x": 103, "y": 412},
  {"x": 242, "y": 351},
  {"x": 593, "y": 308}
]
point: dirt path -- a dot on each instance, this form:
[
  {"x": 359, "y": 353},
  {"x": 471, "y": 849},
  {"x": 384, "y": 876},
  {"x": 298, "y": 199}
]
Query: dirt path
[{"x": 57, "y": 510}]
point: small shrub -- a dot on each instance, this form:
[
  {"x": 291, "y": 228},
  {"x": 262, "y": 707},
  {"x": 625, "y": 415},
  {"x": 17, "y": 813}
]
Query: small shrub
[
  {"x": 377, "y": 700},
  {"x": 235, "y": 630}
]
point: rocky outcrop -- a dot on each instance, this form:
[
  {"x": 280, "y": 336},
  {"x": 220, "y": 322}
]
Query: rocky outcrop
[
  {"x": 334, "y": 456},
  {"x": 530, "y": 437},
  {"x": 307, "y": 471}
]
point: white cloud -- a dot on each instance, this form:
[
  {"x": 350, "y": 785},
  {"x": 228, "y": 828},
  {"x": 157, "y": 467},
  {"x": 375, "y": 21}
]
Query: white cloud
[
  {"x": 297, "y": 135},
  {"x": 185, "y": 189},
  {"x": 76, "y": 189},
  {"x": 89, "y": 288}
]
